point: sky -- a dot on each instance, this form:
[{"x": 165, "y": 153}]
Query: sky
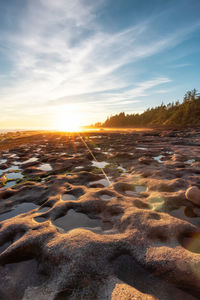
[{"x": 83, "y": 60}]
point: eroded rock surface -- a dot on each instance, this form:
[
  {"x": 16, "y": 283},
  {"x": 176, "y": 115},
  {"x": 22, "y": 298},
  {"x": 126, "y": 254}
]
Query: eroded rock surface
[{"x": 71, "y": 230}]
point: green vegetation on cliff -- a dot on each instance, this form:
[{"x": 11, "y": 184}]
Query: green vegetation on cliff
[{"x": 173, "y": 114}]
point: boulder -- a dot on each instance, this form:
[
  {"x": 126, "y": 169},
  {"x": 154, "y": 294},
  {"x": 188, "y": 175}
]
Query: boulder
[{"x": 193, "y": 194}]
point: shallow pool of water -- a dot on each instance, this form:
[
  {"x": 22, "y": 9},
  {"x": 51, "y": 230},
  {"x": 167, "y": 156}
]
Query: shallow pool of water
[
  {"x": 99, "y": 164},
  {"x": 79, "y": 167},
  {"x": 74, "y": 220},
  {"x": 103, "y": 182},
  {"x": 158, "y": 158},
  {"x": 180, "y": 214},
  {"x": 9, "y": 184},
  {"x": 66, "y": 197},
  {"x": 44, "y": 209},
  {"x": 20, "y": 209},
  {"x": 141, "y": 148},
  {"x": 95, "y": 137},
  {"x": 190, "y": 161},
  {"x": 12, "y": 168},
  {"x": 138, "y": 189},
  {"x": 122, "y": 169},
  {"x": 40, "y": 219},
  {"x": 16, "y": 162},
  {"x": 3, "y": 161},
  {"x": 130, "y": 193},
  {"x": 30, "y": 160},
  {"x": 45, "y": 167},
  {"x": 106, "y": 197},
  {"x": 14, "y": 175}
]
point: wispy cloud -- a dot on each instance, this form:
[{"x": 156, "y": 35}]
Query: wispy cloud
[
  {"x": 176, "y": 66},
  {"x": 117, "y": 96}
]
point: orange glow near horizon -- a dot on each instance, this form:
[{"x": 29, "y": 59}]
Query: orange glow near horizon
[{"x": 68, "y": 122}]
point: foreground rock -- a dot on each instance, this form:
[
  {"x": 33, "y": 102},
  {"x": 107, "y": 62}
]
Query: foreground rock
[{"x": 75, "y": 233}]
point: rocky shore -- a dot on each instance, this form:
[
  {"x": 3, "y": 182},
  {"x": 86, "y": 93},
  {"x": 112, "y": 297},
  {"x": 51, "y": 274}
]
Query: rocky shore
[{"x": 105, "y": 215}]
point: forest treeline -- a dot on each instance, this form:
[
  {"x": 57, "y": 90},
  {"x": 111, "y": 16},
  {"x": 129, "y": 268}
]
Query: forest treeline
[{"x": 174, "y": 114}]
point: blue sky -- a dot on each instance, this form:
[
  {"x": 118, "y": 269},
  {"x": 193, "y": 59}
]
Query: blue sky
[{"x": 90, "y": 59}]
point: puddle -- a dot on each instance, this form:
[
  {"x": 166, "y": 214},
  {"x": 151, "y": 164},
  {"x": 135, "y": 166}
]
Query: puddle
[
  {"x": 158, "y": 158},
  {"x": 100, "y": 164},
  {"x": 157, "y": 207},
  {"x": 14, "y": 175},
  {"x": 180, "y": 214},
  {"x": 79, "y": 167},
  {"x": 74, "y": 220},
  {"x": 95, "y": 137},
  {"x": 141, "y": 148},
  {"x": 20, "y": 209},
  {"x": 66, "y": 197},
  {"x": 123, "y": 169},
  {"x": 156, "y": 199},
  {"x": 190, "y": 161},
  {"x": 40, "y": 219},
  {"x": 138, "y": 189},
  {"x": 1, "y": 172},
  {"x": 70, "y": 175},
  {"x": 44, "y": 209},
  {"x": 30, "y": 160},
  {"x": 130, "y": 193},
  {"x": 104, "y": 182},
  {"x": 3, "y": 161},
  {"x": 45, "y": 167},
  {"x": 9, "y": 184},
  {"x": 16, "y": 162},
  {"x": 12, "y": 168},
  {"x": 106, "y": 197},
  {"x": 169, "y": 152}
]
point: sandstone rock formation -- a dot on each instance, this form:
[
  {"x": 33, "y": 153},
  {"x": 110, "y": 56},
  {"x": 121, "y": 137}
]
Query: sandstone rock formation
[{"x": 131, "y": 232}]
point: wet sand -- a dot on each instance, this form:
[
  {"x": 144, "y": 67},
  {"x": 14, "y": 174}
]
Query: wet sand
[{"x": 99, "y": 215}]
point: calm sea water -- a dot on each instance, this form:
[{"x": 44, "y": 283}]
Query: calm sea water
[{"x": 13, "y": 130}]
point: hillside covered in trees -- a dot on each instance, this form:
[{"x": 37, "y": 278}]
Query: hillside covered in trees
[{"x": 173, "y": 114}]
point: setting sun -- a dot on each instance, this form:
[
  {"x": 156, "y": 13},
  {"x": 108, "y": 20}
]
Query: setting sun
[{"x": 69, "y": 122}]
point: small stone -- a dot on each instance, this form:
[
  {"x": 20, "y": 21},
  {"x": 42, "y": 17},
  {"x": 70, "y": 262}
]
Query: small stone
[
  {"x": 2, "y": 179},
  {"x": 193, "y": 194}
]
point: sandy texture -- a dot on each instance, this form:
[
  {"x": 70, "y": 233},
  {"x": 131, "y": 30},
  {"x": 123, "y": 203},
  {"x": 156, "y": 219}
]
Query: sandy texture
[{"x": 68, "y": 231}]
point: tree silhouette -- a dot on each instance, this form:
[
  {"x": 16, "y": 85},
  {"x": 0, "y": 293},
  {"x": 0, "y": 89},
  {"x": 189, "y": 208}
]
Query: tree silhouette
[{"x": 173, "y": 114}]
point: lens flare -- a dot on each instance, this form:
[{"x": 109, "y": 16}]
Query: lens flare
[{"x": 191, "y": 242}]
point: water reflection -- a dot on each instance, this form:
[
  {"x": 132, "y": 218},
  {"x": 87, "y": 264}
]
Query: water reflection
[
  {"x": 20, "y": 209},
  {"x": 74, "y": 219}
]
